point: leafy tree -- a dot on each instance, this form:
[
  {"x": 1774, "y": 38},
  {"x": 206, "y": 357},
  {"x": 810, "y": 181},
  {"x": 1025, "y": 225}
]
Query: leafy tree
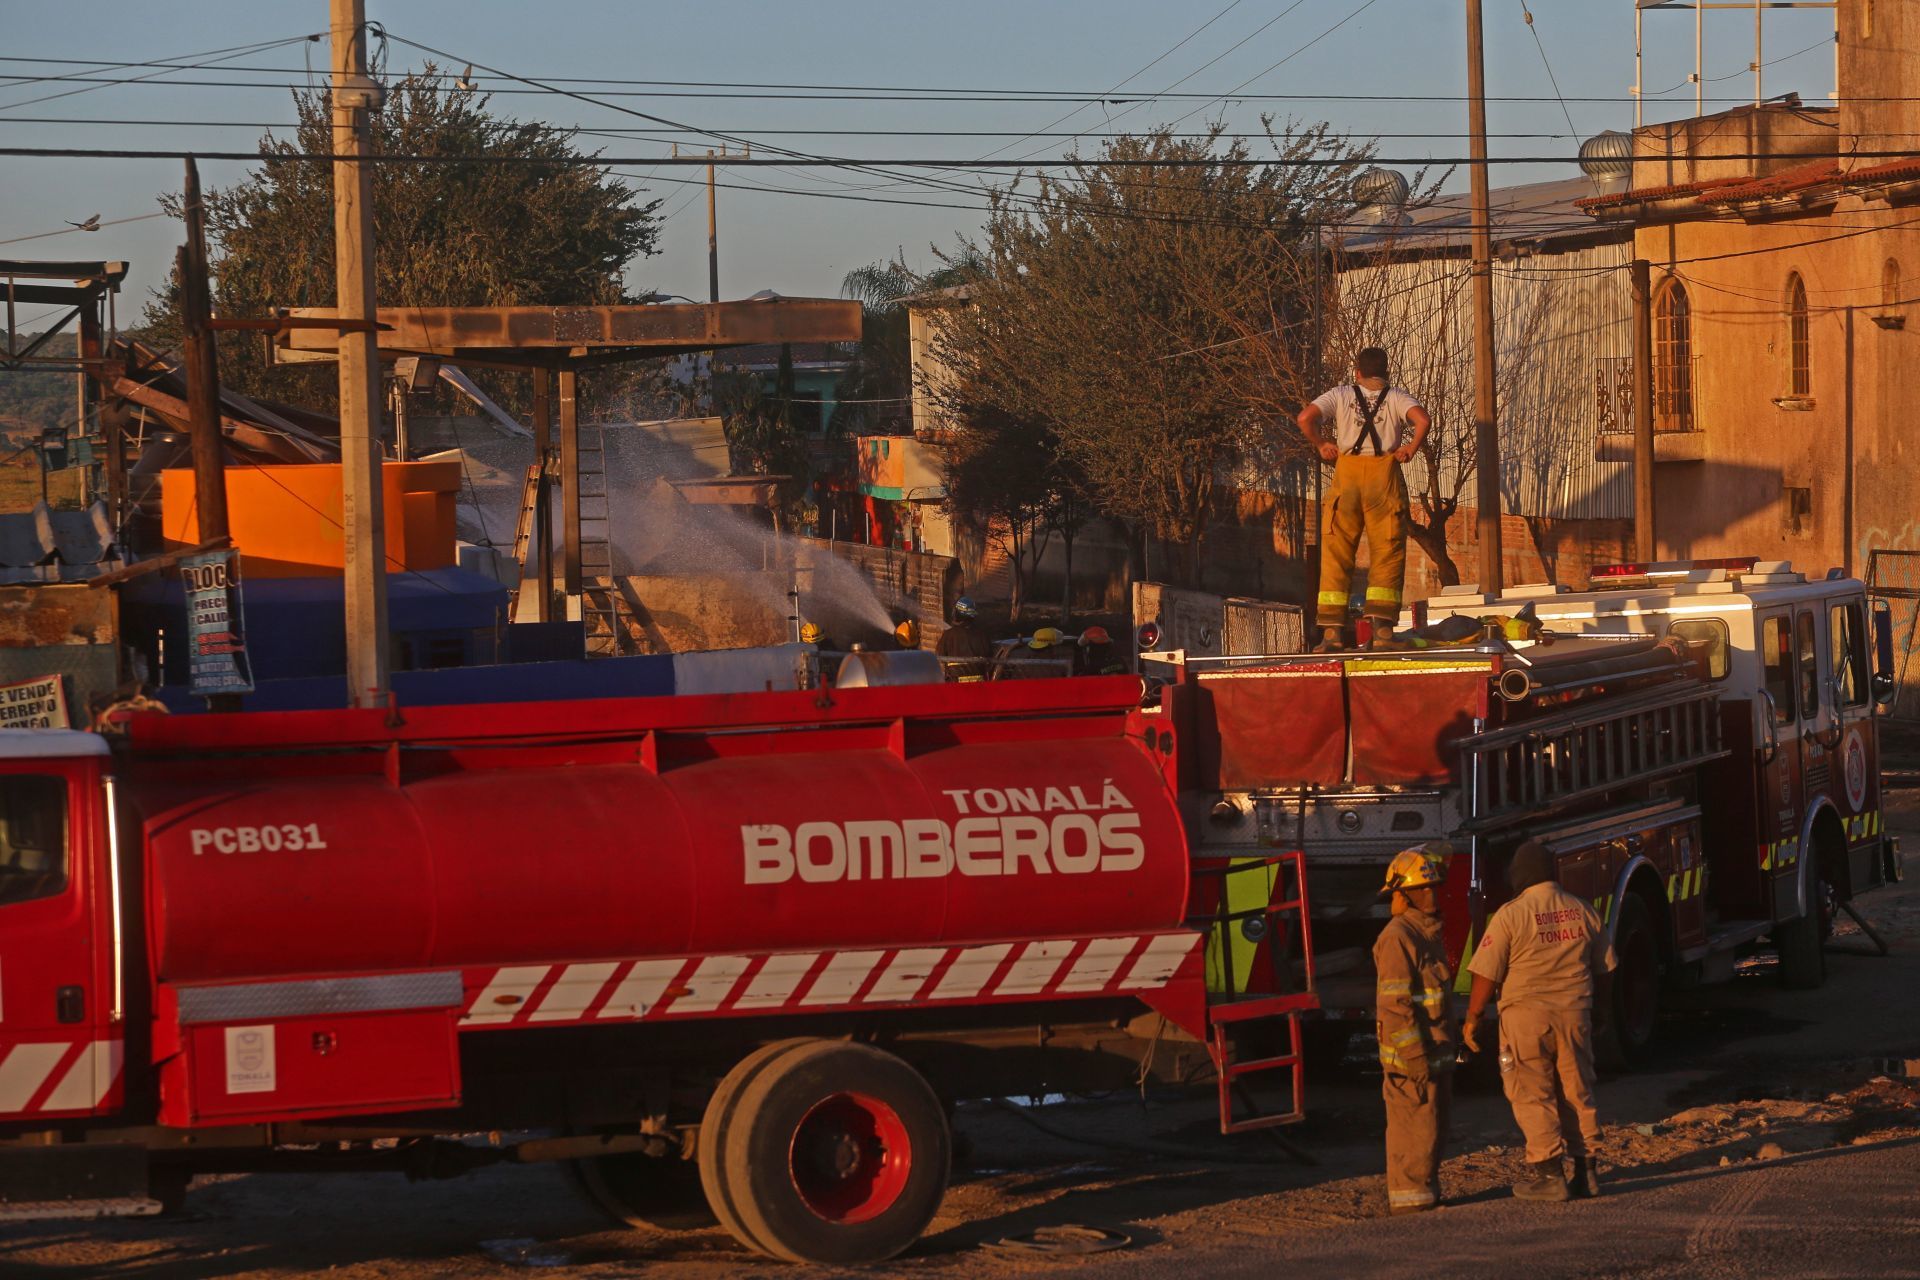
[
  {"x": 1108, "y": 310},
  {"x": 515, "y": 222}
]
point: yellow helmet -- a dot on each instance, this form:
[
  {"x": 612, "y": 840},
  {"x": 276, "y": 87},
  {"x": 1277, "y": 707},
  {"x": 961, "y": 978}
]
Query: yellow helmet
[
  {"x": 810, "y": 633},
  {"x": 1418, "y": 867},
  {"x": 1044, "y": 638},
  {"x": 907, "y": 634}
]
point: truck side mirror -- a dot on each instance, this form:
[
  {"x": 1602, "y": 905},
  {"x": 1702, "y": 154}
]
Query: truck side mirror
[{"x": 1883, "y": 682}]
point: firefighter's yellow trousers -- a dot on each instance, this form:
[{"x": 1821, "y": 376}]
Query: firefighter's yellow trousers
[
  {"x": 1547, "y": 1072},
  {"x": 1368, "y": 495},
  {"x": 1417, "y": 1117}
]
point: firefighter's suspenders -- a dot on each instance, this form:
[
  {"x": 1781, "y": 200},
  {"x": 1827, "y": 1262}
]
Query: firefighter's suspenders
[{"x": 1369, "y": 414}]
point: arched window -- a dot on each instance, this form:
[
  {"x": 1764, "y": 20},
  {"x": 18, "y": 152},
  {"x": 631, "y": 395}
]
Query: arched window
[
  {"x": 1799, "y": 339},
  {"x": 1672, "y": 358}
]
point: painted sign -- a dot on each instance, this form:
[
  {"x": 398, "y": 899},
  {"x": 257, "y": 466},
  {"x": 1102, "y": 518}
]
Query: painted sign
[
  {"x": 217, "y": 652},
  {"x": 40, "y": 703}
]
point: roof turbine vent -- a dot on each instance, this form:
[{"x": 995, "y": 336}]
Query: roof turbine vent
[
  {"x": 1607, "y": 158},
  {"x": 1381, "y": 197}
]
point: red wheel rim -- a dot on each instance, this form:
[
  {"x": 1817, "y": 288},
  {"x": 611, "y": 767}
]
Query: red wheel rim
[{"x": 850, "y": 1158}]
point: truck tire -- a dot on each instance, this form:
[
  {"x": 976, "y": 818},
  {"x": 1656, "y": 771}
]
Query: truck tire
[
  {"x": 1802, "y": 943},
  {"x": 714, "y": 1125},
  {"x": 836, "y": 1153},
  {"x": 661, "y": 1192},
  {"x": 1632, "y": 1012}
]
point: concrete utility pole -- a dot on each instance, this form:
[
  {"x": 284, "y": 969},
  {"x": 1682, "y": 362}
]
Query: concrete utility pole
[
  {"x": 200, "y": 356},
  {"x": 1486, "y": 433},
  {"x": 1640, "y": 279},
  {"x": 364, "y": 523}
]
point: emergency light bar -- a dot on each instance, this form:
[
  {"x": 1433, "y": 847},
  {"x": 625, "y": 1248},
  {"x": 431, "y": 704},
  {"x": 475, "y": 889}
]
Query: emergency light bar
[{"x": 1672, "y": 568}]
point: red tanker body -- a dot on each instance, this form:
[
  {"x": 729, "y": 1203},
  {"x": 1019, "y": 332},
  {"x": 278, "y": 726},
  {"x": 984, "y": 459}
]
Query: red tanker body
[{"x": 755, "y": 940}]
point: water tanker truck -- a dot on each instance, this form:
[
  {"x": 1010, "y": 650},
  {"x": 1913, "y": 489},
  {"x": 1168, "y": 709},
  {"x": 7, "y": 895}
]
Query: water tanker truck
[{"x": 746, "y": 949}]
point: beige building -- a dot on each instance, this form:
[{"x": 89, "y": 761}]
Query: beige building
[{"x": 1785, "y": 246}]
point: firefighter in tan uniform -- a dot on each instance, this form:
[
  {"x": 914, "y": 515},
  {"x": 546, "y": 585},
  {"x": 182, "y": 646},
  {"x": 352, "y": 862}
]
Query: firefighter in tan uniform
[
  {"x": 1415, "y": 1031},
  {"x": 1376, "y": 428},
  {"x": 1545, "y": 950}
]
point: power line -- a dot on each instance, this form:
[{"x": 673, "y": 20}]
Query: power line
[
  {"x": 231, "y": 52},
  {"x": 70, "y": 230}
]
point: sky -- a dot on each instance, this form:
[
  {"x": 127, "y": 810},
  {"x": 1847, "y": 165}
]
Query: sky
[{"x": 1292, "y": 58}]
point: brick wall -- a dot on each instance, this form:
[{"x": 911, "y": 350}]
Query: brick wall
[{"x": 916, "y": 582}]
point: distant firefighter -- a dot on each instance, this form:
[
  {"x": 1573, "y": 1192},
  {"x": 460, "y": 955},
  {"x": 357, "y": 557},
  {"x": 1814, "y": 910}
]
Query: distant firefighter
[{"x": 964, "y": 647}]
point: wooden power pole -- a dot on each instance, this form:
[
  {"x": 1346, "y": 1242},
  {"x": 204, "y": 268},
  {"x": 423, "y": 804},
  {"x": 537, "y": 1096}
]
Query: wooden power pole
[
  {"x": 1486, "y": 432},
  {"x": 363, "y": 521},
  {"x": 1640, "y": 277},
  {"x": 200, "y": 356}
]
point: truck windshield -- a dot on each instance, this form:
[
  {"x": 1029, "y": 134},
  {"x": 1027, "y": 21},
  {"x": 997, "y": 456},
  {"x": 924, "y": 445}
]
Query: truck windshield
[{"x": 33, "y": 837}]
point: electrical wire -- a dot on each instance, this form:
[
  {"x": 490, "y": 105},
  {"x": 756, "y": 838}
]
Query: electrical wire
[
  {"x": 71, "y": 230},
  {"x": 229, "y": 54}
]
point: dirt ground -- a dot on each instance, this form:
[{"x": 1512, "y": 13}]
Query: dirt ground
[{"x": 1767, "y": 1117}]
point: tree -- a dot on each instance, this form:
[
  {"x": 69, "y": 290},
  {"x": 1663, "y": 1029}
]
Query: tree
[
  {"x": 1113, "y": 296},
  {"x": 517, "y": 221}
]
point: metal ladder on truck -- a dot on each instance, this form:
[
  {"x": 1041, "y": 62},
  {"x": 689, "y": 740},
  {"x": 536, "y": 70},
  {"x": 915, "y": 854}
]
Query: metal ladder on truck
[
  {"x": 526, "y": 605},
  {"x": 1260, "y": 981}
]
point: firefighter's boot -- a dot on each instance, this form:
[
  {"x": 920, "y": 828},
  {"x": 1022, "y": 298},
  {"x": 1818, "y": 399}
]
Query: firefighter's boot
[
  {"x": 1331, "y": 640},
  {"x": 1585, "y": 1182},
  {"x": 1545, "y": 1181}
]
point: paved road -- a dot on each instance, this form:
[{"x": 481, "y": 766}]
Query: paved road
[{"x": 1846, "y": 1212}]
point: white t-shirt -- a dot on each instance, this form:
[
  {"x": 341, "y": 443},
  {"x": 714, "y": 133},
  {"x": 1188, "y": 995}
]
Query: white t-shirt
[{"x": 1339, "y": 407}]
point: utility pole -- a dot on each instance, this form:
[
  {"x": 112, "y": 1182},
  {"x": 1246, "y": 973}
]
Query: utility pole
[
  {"x": 1640, "y": 278},
  {"x": 203, "y": 370},
  {"x": 713, "y": 220},
  {"x": 1486, "y": 433},
  {"x": 363, "y": 521}
]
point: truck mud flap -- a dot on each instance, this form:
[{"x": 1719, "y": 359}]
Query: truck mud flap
[{"x": 76, "y": 1171}]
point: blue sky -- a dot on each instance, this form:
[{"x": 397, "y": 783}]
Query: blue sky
[{"x": 804, "y": 244}]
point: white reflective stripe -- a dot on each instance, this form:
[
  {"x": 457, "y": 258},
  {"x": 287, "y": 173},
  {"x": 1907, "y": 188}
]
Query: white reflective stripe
[
  {"x": 640, "y": 990},
  {"x": 573, "y": 993},
  {"x": 24, "y": 1070},
  {"x": 1097, "y": 964},
  {"x": 87, "y": 1080},
  {"x": 905, "y": 975},
  {"x": 773, "y": 985},
  {"x": 519, "y": 981},
  {"x": 970, "y": 970},
  {"x": 840, "y": 981},
  {"x": 1160, "y": 960},
  {"x": 710, "y": 984},
  {"x": 1035, "y": 968}
]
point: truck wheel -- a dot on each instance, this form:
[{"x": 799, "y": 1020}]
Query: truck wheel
[
  {"x": 714, "y": 1125},
  {"x": 1632, "y": 1013},
  {"x": 662, "y": 1192},
  {"x": 1802, "y": 942},
  {"x": 837, "y": 1153}
]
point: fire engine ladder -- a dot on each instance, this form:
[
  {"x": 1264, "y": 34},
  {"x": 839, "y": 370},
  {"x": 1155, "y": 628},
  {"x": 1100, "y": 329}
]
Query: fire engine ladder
[
  {"x": 1590, "y": 748},
  {"x": 603, "y": 608},
  {"x": 1267, "y": 1020}
]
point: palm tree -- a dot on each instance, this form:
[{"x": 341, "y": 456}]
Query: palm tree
[{"x": 874, "y": 395}]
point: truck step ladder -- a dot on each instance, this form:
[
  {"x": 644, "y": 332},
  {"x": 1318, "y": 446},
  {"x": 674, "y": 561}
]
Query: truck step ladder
[{"x": 1264, "y": 1020}]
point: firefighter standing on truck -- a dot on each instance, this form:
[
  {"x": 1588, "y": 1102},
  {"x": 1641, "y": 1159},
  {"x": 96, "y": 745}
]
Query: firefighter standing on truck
[
  {"x": 1376, "y": 427},
  {"x": 1545, "y": 950},
  {"x": 1412, "y": 1022}
]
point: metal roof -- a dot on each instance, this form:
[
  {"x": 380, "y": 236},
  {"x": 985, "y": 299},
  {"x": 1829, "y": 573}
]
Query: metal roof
[{"x": 1531, "y": 216}]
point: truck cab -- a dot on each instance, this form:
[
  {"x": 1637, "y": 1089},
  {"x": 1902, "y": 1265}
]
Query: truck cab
[
  {"x": 1793, "y": 813},
  {"x": 61, "y": 1036}
]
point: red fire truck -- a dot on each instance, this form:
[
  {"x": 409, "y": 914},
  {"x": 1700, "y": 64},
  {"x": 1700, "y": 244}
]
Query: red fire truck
[
  {"x": 1695, "y": 741},
  {"x": 759, "y": 943}
]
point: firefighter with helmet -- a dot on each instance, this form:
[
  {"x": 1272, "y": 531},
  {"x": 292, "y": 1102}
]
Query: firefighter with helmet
[
  {"x": 1414, "y": 1028},
  {"x": 1040, "y": 645},
  {"x": 1096, "y": 654},
  {"x": 964, "y": 648},
  {"x": 811, "y": 633},
  {"x": 1545, "y": 951}
]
